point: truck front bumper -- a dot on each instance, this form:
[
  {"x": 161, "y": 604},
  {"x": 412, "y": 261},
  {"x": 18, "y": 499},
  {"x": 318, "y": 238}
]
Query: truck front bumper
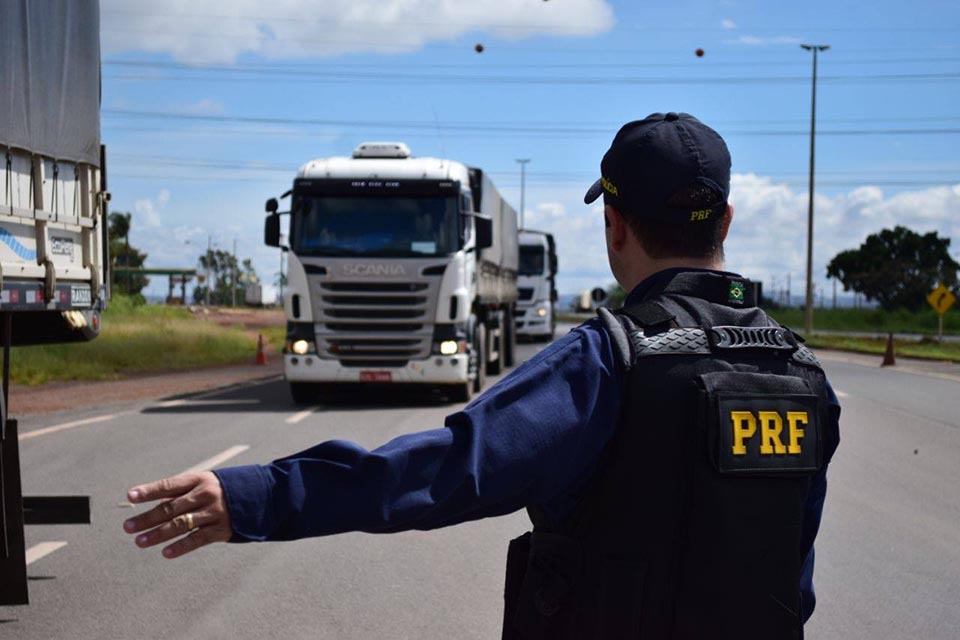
[{"x": 436, "y": 369}]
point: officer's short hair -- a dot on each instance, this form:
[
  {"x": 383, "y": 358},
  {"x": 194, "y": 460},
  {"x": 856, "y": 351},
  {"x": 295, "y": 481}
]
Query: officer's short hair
[{"x": 681, "y": 238}]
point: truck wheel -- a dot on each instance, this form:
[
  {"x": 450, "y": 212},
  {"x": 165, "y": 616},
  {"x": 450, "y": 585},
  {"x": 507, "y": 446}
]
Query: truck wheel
[
  {"x": 509, "y": 333},
  {"x": 304, "y": 392},
  {"x": 480, "y": 352},
  {"x": 495, "y": 345}
]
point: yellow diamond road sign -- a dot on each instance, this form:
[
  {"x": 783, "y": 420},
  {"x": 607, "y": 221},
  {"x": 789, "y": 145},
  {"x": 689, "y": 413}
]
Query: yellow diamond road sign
[{"x": 941, "y": 299}]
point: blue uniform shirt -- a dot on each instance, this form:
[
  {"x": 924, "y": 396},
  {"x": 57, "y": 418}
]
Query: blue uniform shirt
[{"x": 534, "y": 437}]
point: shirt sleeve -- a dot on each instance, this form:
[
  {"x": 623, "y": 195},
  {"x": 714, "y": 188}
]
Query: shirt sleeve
[
  {"x": 814, "y": 512},
  {"x": 535, "y": 434}
]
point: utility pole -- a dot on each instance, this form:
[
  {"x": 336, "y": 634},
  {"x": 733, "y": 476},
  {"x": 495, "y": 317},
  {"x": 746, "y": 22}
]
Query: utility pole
[
  {"x": 808, "y": 308},
  {"x": 233, "y": 277},
  {"x": 834, "y": 293},
  {"x": 523, "y": 186},
  {"x": 206, "y": 293},
  {"x": 788, "y": 289}
]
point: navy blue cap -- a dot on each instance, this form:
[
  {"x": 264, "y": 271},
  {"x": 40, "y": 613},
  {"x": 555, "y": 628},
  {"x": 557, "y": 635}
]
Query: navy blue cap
[{"x": 651, "y": 161}]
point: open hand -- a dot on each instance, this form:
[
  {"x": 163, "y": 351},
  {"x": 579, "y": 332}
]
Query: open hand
[{"x": 193, "y": 504}]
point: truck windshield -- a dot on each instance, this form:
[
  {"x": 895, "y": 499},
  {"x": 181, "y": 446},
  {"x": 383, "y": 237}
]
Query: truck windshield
[
  {"x": 531, "y": 260},
  {"x": 375, "y": 226}
]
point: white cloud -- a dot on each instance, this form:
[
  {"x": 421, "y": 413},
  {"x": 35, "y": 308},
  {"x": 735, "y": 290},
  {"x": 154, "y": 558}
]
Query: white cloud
[
  {"x": 221, "y": 30},
  {"x": 147, "y": 211},
  {"x": 760, "y": 41},
  {"x": 727, "y": 23},
  {"x": 768, "y": 236}
]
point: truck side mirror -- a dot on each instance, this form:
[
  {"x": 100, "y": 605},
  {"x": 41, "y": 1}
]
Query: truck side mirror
[
  {"x": 271, "y": 229},
  {"x": 483, "y": 231},
  {"x": 272, "y": 206}
]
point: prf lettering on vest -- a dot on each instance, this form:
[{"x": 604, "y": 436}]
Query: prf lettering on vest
[{"x": 770, "y": 424}]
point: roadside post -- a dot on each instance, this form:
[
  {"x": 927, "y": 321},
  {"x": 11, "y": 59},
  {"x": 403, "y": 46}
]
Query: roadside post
[{"x": 941, "y": 299}]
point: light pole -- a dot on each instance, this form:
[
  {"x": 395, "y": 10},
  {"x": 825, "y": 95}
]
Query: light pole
[
  {"x": 808, "y": 306},
  {"x": 523, "y": 185}
]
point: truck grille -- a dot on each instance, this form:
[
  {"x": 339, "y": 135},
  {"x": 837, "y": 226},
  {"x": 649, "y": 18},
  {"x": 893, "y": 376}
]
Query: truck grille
[
  {"x": 525, "y": 293},
  {"x": 382, "y": 324}
]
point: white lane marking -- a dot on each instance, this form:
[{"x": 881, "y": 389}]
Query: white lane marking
[
  {"x": 203, "y": 403},
  {"x": 65, "y": 426},
  {"x": 43, "y": 549},
  {"x": 841, "y": 394},
  {"x": 220, "y": 458},
  {"x": 297, "y": 417}
]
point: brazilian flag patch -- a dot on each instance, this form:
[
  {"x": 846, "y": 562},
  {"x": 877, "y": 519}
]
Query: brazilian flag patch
[{"x": 736, "y": 292}]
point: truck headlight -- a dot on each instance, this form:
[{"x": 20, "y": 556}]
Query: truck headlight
[
  {"x": 449, "y": 347},
  {"x": 541, "y": 312},
  {"x": 301, "y": 347}
]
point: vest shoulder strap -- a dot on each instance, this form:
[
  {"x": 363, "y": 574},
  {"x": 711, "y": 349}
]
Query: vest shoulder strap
[
  {"x": 623, "y": 325},
  {"x": 631, "y": 341}
]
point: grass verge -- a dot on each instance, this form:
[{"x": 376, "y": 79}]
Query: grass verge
[
  {"x": 922, "y": 322},
  {"x": 138, "y": 339},
  {"x": 926, "y": 348}
]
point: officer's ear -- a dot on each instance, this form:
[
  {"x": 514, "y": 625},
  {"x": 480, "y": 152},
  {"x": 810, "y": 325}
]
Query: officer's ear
[
  {"x": 727, "y": 219},
  {"x": 617, "y": 228}
]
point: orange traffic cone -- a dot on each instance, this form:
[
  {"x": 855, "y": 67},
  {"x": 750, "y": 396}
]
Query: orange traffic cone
[
  {"x": 261, "y": 356},
  {"x": 889, "y": 359}
]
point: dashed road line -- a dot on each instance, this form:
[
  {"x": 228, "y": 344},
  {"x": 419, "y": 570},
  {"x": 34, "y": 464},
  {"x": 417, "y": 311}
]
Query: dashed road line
[
  {"x": 181, "y": 402},
  {"x": 66, "y": 425},
  {"x": 297, "y": 417},
  {"x": 218, "y": 459},
  {"x": 43, "y": 549}
]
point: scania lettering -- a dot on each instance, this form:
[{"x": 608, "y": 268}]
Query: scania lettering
[
  {"x": 401, "y": 270},
  {"x": 536, "y": 314}
]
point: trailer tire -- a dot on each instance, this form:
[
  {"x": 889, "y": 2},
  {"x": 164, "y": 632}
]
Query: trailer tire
[
  {"x": 304, "y": 392},
  {"x": 509, "y": 333},
  {"x": 460, "y": 392},
  {"x": 495, "y": 366},
  {"x": 480, "y": 350}
]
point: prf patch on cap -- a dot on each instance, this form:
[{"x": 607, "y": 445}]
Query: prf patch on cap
[
  {"x": 609, "y": 187},
  {"x": 762, "y": 433},
  {"x": 736, "y": 292}
]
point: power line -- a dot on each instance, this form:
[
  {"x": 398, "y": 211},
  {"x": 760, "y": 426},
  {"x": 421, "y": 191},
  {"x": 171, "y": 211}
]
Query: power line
[
  {"x": 312, "y": 68},
  {"x": 538, "y": 80},
  {"x": 163, "y": 115},
  {"x": 517, "y": 25},
  {"x": 394, "y": 46}
]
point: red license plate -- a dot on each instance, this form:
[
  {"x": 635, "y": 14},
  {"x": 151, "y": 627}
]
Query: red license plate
[{"x": 375, "y": 376}]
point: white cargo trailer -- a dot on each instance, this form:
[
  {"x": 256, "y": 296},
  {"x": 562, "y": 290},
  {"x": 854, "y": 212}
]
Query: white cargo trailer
[
  {"x": 401, "y": 270},
  {"x": 53, "y": 231}
]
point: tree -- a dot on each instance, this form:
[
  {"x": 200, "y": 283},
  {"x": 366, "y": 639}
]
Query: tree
[
  {"x": 222, "y": 266},
  {"x": 615, "y": 295},
  {"x": 896, "y": 267},
  {"x": 124, "y": 256}
]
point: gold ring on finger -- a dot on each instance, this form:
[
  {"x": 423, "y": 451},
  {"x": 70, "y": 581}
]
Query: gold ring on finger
[{"x": 189, "y": 520}]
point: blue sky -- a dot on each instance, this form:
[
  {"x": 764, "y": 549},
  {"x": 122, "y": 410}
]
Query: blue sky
[{"x": 209, "y": 108}]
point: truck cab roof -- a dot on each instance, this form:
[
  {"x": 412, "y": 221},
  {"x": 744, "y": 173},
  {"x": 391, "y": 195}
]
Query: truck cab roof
[{"x": 385, "y": 160}]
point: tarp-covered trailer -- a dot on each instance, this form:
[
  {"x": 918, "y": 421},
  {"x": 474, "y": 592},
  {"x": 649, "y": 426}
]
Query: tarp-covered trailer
[{"x": 53, "y": 231}]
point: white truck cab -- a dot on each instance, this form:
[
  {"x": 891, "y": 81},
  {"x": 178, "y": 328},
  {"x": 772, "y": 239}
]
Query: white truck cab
[
  {"x": 401, "y": 270},
  {"x": 536, "y": 313}
]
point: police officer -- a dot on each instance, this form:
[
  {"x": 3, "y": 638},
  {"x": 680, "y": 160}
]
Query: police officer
[{"x": 672, "y": 454}]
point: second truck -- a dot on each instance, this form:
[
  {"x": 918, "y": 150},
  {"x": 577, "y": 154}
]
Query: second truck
[{"x": 400, "y": 270}]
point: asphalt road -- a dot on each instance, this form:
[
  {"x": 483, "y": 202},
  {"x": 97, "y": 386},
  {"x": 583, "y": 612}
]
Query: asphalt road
[{"x": 888, "y": 557}]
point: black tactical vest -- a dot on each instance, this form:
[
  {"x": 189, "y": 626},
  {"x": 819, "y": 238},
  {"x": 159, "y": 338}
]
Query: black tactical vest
[{"x": 691, "y": 526}]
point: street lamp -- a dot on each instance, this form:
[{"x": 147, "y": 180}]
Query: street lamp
[
  {"x": 808, "y": 307},
  {"x": 523, "y": 185}
]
